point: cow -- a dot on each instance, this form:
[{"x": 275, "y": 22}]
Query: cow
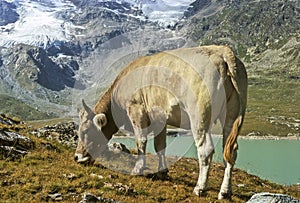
[{"x": 190, "y": 88}]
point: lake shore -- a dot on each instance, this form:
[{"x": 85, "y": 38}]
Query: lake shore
[
  {"x": 269, "y": 137},
  {"x": 177, "y": 132}
]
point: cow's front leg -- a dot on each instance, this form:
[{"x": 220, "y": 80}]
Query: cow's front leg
[
  {"x": 139, "y": 121},
  {"x": 205, "y": 153},
  {"x": 141, "y": 142},
  {"x": 160, "y": 148}
]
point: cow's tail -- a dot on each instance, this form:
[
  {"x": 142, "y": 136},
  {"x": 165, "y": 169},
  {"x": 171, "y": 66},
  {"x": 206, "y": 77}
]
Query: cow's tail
[
  {"x": 233, "y": 64},
  {"x": 230, "y": 145}
]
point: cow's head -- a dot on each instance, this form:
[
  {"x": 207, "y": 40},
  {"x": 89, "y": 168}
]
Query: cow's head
[{"x": 91, "y": 140}]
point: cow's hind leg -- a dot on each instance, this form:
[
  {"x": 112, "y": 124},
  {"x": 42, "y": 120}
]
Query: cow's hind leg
[
  {"x": 226, "y": 187},
  {"x": 230, "y": 122},
  {"x": 205, "y": 150}
]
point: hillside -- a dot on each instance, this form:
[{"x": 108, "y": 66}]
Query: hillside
[
  {"x": 54, "y": 53},
  {"x": 78, "y": 47},
  {"x": 250, "y": 27},
  {"x": 42, "y": 169},
  {"x": 25, "y": 111},
  {"x": 47, "y": 61},
  {"x": 266, "y": 36}
]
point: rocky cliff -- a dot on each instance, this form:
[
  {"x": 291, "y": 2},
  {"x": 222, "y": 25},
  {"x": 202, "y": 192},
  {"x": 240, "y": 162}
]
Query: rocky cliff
[
  {"x": 8, "y": 13},
  {"x": 251, "y": 27}
]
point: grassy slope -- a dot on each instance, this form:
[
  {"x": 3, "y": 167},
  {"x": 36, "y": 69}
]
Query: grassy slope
[
  {"x": 18, "y": 108},
  {"x": 48, "y": 170},
  {"x": 266, "y": 36},
  {"x": 272, "y": 98},
  {"x": 274, "y": 86}
]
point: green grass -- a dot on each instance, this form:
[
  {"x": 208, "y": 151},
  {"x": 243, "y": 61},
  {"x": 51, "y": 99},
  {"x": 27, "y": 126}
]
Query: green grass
[
  {"x": 272, "y": 97},
  {"x": 43, "y": 172},
  {"x": 15, "y": 107},
  {"x": 44, "y": 122}
]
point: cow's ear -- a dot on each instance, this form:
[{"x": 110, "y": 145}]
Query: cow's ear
[{"x": 100, "y": 120}]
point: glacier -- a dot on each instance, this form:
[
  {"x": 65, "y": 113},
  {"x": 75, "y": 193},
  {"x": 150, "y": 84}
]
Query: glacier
[
  {"x": 40, "y": 23},
  {"x": 165, "y": 12},
  {"x": 62, "y": 32}
]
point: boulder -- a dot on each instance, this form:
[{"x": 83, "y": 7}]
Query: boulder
[
  {"x": 12, "y": 144},
  {"x": 15, "y": 140},
  {"x": 55, "y": 197},
  {"x": 117, "y": 148},
  {"x": 272, "y": 198},
  {"x": 6, "y": 120},
  {"x": 90, "y": 198}
]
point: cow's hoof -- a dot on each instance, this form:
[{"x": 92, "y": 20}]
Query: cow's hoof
[
  {"x": 199, "y": 192},
  {"x": 224, "y": 195},
  {"x": 160, "y": 175},
  {"x": 163, "y": 174},
  {"x": 137, "y": 171}
]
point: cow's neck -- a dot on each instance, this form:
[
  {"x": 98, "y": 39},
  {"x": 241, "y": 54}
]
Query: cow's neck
[{"x": 104, "y": 106}]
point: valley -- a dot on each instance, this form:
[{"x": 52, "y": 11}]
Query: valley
[{"x": 78, "y": 47}]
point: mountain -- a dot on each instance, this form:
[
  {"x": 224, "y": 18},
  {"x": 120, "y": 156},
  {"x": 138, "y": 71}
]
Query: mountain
[
  {"x": 8, "y": 13},
  {"x": 49, "y": 50},
  {"x": 250, "y": 27},
  {"x": 55, "y": 52}
]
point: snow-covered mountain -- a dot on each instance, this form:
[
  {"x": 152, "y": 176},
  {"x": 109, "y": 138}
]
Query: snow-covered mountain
[
  {"x": 165, "y": 12},
  {"x": 51, "y": 50},
  {"x": 42, "y": 22},
  {"x": 39, "y": 24}
]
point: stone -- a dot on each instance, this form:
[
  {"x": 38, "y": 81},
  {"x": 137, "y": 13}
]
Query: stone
[
  {"x": 90, "y": 198},
  {"x": 55, "y": 197},
  {"x": 13, "y": 145},
  {"x": 6, "y": 120},
  {"x": 93, "y": 175},
  {"x": 14, "y": 139},
  {"x": 64, "y": 133},
  {"x": 121, "y": 188},
  {"x": 272, "y": 198},
  {"x": 70, "y": 176},
  {"x": 117, "y": 148}
]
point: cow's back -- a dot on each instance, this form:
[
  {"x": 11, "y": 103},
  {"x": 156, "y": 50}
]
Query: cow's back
[{"x": 185, "y": 78}]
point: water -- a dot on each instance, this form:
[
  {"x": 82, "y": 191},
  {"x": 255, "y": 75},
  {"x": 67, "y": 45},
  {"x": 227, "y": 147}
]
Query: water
[{"x": 274, "y": 160}]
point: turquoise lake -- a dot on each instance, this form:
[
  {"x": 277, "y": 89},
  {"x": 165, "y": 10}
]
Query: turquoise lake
[{"x": 274, "y": 160}]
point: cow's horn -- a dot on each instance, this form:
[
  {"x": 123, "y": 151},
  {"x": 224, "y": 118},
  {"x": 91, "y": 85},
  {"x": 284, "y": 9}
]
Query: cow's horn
[{"x": 86, "y": 108}]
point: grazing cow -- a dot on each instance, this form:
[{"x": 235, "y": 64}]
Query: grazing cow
[{"x": 190, "y": 88}]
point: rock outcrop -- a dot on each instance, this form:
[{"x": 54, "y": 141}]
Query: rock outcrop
[
  {"x": 12, "y": 145},
  {"x": 30, "y": 66},
  {"x": 8, "y": 13},
  {"x": 64, "y": 132}
]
